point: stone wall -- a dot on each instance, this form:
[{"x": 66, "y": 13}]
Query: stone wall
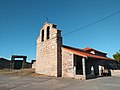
[
  {"x": 48, "y": 52},
  {"x": 67, "y": 64},
  {"x": 28, "y": 65},
  {"x": 20, "y": 64},
  {"x": 34, "y": 64},
  {"x": 115, "y": 73},
  {"x": 5, "y": 64}
]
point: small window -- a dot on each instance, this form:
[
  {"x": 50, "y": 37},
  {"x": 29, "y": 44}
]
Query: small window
[
  {"x": 48, "y": 32},
  {"x": 42, "y": 38}
]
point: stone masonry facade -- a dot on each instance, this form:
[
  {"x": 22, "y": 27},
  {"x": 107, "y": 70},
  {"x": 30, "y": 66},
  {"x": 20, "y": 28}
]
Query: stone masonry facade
[
  {"x": 51, "y": 58},
  {"x": 67, "y": 64},
  {"x": 48, "y": 53},
  {"x": 55, "y": 59}
]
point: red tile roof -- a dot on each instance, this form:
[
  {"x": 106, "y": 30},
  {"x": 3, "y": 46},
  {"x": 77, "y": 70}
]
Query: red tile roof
[
  {"x": 90, "y": 49},
  {"x": 87, "y": 48},
  {"x": 83, "y": 53}
]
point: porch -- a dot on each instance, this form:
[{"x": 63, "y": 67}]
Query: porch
[{"x": 86, "y": 67}]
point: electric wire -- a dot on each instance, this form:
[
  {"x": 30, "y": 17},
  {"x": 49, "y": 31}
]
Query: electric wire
[
  {"x": 100, "y": 20},
  {"x": 93, "y": 23}
]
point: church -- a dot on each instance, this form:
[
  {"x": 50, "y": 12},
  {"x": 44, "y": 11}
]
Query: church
[{"x": 55, "y": 59}]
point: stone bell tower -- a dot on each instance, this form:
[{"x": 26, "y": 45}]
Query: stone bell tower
[{"x": 48, "y": 52}]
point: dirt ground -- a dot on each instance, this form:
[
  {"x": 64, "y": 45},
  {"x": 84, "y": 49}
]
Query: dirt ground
[{"x": 21, "y": 72}]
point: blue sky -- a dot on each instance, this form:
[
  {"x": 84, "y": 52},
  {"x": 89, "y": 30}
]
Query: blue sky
[{"x": 21, "y": 20}]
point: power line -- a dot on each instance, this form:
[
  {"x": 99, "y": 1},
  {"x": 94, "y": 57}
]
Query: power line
[
  {"x": 100, "y": 20},
  {"x": 92, "y": 23}
]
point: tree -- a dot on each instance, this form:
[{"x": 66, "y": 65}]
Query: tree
[{"x": 117, "y": 56}]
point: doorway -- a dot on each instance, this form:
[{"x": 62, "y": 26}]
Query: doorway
[{"x": 78, "y": 65}]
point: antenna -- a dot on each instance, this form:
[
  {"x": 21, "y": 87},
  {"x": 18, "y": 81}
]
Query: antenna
[{"x": 46, "y": 19}]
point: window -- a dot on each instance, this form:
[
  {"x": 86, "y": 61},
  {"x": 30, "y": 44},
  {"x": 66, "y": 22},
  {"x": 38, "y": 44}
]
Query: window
[
  {"x": 42, "y": 38},
  {"x": 48, "y": 32}
]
